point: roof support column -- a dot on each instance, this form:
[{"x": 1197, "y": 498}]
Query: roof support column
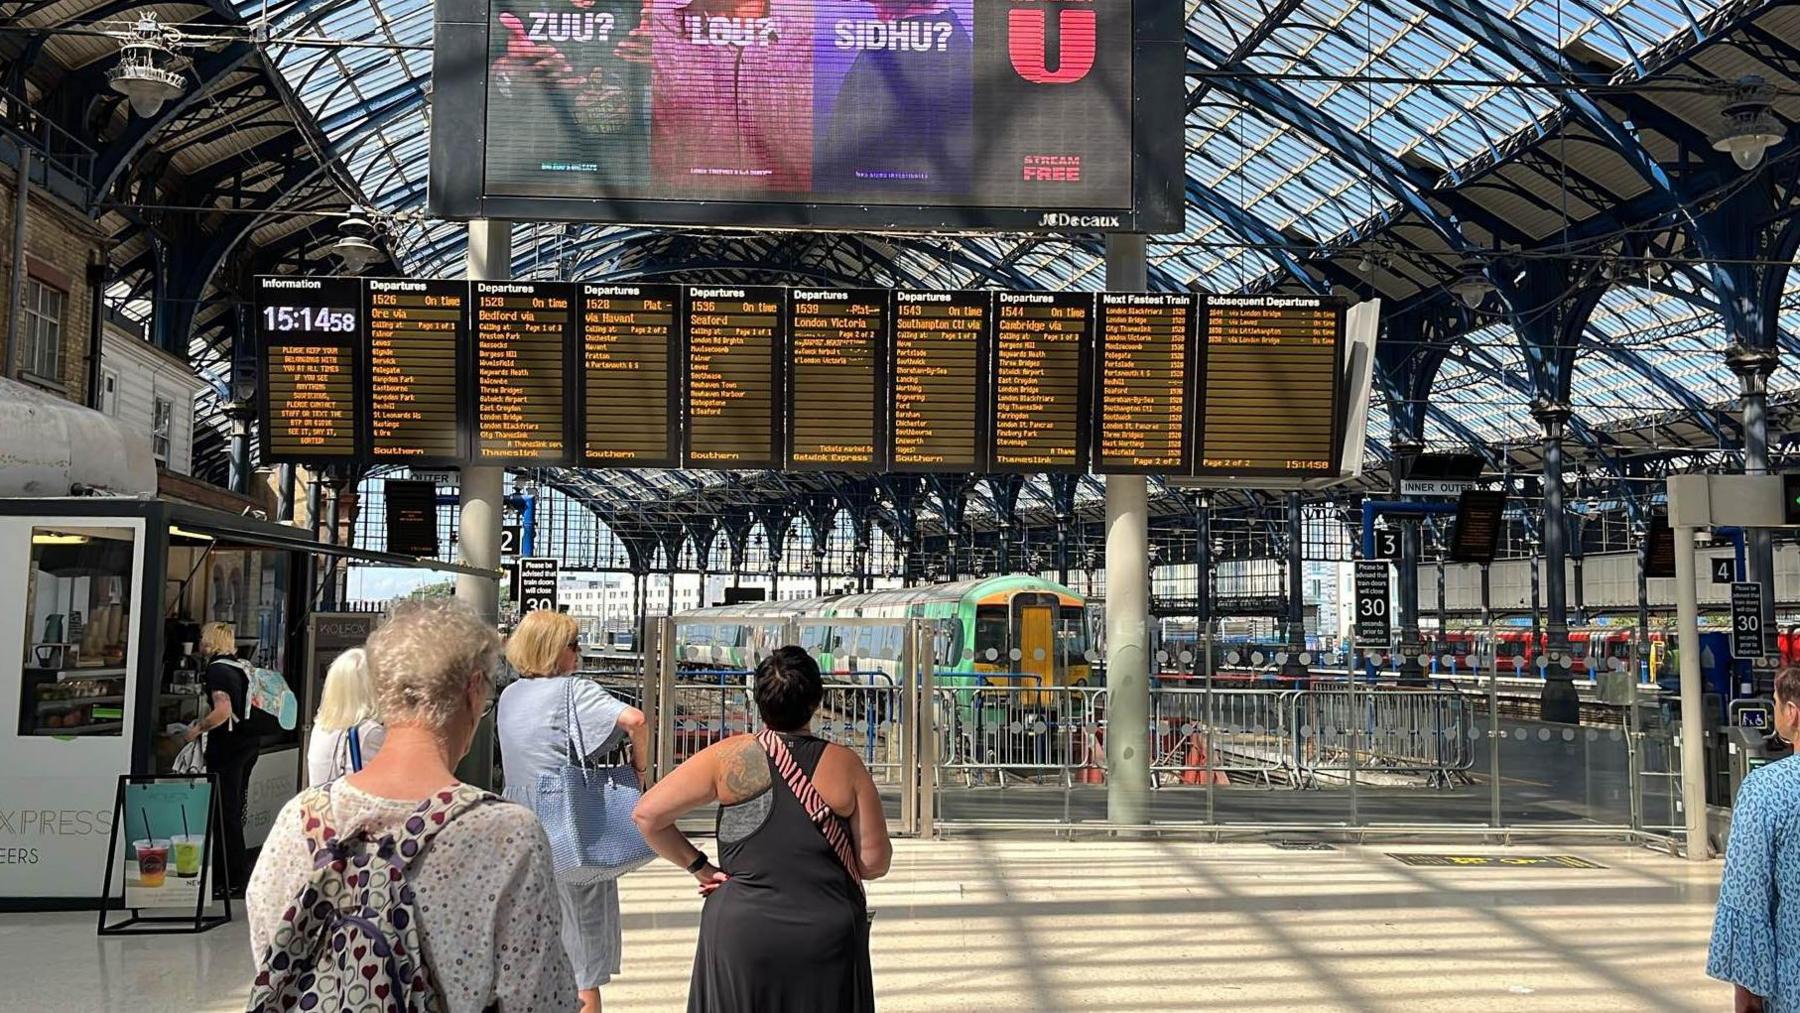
[
  {"x": 480, "y": 494},
  {"x": 1753, "y": 366},
  {"x": 1127, "y": 599},
  {"x": 1559, "y": 700},
  {"x": 1406, "y": 448},
  {"x": 1296, "y": 566}
]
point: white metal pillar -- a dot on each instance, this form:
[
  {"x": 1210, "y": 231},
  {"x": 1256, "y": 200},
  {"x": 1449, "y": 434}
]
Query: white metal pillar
[
  {"x": 1693, "y": 718},
  {"x": 1127, "y": 600},
  {"x": 479, "y": 499}
]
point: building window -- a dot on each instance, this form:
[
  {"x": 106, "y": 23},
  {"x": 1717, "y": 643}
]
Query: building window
[
  {"x": 43, "y": 349},
  {"x": 160, "y": 421},
  {"x": 109, "y": 392}
]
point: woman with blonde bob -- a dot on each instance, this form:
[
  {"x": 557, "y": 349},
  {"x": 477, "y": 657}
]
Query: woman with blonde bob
[
  {"x": 483, "y": 882},
  {"x": 231, "y": 748},
  {"x": 542, "y": 717},
  {"x": 347, "y": 733}
]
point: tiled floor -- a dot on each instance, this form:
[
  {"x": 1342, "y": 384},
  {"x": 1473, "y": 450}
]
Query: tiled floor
[{"x": 1013, "y": 924}]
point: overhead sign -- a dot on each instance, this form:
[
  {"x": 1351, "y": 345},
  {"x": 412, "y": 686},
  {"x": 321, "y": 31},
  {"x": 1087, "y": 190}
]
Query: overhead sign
[
  {"x": 511, "y": 543},
  {"x": 1374, "y": 627},
  {"x": 1388, "y": 544},
  {"x": 1480, "y": 516},
  {"x": 1746, "y": 621},
  {"x": 1724, "y": 570},
  {"x": 538, "y": 373},
  {"x": 412, "y": 517},
  {"x": 1433, "y": 487},
  {"x": 537, "y": 584}
]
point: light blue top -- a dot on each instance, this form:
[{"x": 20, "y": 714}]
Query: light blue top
[
  {"x": 537, "y": 735},
  {"x": 1756, "y": 935}
]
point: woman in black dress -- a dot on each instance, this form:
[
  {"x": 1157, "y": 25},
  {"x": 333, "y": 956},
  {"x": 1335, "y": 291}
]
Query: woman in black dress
[
  {"x": 786, "y": 926},
  {"x": 231, "y": 749}
]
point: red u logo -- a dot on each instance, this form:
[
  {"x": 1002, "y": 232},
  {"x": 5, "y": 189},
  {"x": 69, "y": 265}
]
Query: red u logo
[{"x": 1029, "y": 49}]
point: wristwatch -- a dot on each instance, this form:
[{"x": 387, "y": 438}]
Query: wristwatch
[{"x": 697, "y": 864}]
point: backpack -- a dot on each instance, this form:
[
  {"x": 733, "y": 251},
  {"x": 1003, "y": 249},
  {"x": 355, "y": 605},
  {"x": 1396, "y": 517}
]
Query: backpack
[{"x": 351, "y": 939}]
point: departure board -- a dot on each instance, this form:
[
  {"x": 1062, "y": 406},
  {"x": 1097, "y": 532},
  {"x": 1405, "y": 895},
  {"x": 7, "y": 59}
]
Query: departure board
[
  {"x": 309, "y": 333},
  {"x": 1042, "y": 344},
  {"x": 1145, "y": 352},
  {"x": 940, "y": 381},
  {"x": 522, "y": 331},
  {"x": 837, "y": 379},
  {"x": 1270, "y": 386},
  {"x": 734, "y": 360},
  {"x": 631, "y": 385},
  {"x": 416, "y": 333}
]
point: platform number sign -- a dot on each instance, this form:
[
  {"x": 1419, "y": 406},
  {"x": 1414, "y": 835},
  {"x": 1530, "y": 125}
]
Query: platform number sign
[
  {"x": 1374, "y": 626},
  {"x": 537, "y": 585},
  {"x": 1746, "y": 621},
  {"x": 1387, "y": 543},
  {"x": 1724, "y": 570},
  {"x": 510, "y": 537}
]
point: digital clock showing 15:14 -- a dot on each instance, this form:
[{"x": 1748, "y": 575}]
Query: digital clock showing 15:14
[{"x": 314, "y": 319}]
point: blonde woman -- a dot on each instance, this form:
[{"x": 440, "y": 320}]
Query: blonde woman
[
  {"x": 346, "y": 734},
  {"x": 231, "y": 747},
  {"x": 481, "y": 885},
  {"x": 536, "y": 736}
]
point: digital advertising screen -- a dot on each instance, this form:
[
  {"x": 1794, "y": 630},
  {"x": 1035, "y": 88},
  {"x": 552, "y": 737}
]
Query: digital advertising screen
[
  {"x": 416, "y": 335},
  {"x": 734, "y": 384},
  {"x": 631, "y": 375},
  {"x": 309, "y": 336},
  {"x": 837, "y": 379},
  {"x": 1040, "y": 396},
  {"x": 1062, "y": 115},
  {"x": 522, "y": 333},
  {"x": 1270, "y": 385}
]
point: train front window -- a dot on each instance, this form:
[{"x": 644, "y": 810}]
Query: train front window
[
  {"x": 1072, "y": 634},
  {"x": 991, "y": 633}
]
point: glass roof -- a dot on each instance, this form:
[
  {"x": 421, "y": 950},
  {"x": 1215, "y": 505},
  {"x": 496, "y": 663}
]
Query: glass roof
[{"x": 1260, "y": 164}]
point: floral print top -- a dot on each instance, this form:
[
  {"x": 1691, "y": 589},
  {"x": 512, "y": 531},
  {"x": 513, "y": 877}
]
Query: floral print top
[
  {"x": 1756, "y": 933},
  {"x": 487, "y": 903}
]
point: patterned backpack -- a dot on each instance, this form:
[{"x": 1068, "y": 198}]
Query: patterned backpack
[{"x": 351, "y": 940}]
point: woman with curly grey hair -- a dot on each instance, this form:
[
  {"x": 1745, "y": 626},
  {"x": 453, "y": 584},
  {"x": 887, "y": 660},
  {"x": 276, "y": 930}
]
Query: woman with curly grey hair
[{"x": 482, "y": 885}]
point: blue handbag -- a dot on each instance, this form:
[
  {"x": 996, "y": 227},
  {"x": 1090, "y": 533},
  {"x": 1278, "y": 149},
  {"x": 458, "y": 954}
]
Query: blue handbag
[{"x": 586, "y": 812}]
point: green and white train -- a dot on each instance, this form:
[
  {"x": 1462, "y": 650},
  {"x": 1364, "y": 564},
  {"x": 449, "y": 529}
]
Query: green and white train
[{"x": 1019, "y": 628}]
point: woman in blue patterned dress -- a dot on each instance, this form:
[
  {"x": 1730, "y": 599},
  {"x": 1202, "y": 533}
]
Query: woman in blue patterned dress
[{"x": 1756, "y": 935}]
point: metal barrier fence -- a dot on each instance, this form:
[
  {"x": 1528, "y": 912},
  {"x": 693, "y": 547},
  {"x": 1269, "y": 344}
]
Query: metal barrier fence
[
  {"x": 1393, "y": 731},
  {"x": 1019, "y": 732}
]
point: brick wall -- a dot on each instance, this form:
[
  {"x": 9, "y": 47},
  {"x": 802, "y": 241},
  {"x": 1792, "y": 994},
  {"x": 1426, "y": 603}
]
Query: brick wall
[{"x": 59, "y": 245}]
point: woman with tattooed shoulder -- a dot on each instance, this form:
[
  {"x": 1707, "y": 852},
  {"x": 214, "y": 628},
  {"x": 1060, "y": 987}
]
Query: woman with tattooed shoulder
[{"x": 800, "y": 828}]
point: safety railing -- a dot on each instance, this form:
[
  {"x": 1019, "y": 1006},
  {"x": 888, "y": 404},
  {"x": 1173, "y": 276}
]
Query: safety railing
[
  {"x": 1201, "y": 735},
  {"x": 1021, "y": 732},
  {"x": 1409, "y": 732}
]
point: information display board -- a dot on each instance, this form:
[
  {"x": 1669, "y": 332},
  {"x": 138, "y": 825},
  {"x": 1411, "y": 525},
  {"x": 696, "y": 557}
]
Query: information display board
[
  {"x": 1746, "y": 621},
  {"x": 630, "y": 375},
  {"x": 1373, "y": 622},
  {"x": 1271, "y": 386},
  {"x": 522, "y": 336},
  {"x": 309, "y": 339},
  {"x": 417, "y": 330},
  {"x": 412, "y": 517},
  {"x": 1059, "y": 114},
  {"x": 1480, "y": 517},
  {"x": 837, "y": 368},
  {"x": 1043, "y": 342},
  {"x": 538, "y": 584},
  {"x": 734, "y": 365},
  {"x": 1228, "y": 389},
  {"x": 1144, "y": 421},
  {"x": 941, "y": 353}
]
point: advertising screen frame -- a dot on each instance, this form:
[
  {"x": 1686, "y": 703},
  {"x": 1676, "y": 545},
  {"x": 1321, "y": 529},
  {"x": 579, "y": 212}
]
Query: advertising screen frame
[{"x": 457, "y": 189}]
